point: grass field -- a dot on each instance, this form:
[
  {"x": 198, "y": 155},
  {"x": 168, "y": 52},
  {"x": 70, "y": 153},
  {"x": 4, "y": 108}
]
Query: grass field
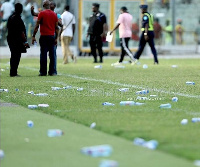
[{"x": 101, "y": 85}]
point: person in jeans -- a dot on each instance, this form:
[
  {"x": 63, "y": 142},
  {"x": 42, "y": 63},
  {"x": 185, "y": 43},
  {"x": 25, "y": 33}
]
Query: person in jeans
[
  {"x": 48, "y": 22},
  {"x": 124, "y": 23},
  {"x": 97, "y": 30},
  {"x": 16, "y": 38},
  {"x": 52, "y": 7},
  {"x": 67, "y": 33}
]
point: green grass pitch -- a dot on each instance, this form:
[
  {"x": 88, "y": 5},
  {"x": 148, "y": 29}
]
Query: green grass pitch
[{"x": 178, "y": 143}]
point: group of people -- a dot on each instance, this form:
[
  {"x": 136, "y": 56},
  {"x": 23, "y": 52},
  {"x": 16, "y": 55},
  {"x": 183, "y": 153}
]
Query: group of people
[{"x": 53, "y": 26}]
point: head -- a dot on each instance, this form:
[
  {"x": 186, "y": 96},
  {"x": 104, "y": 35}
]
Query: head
[
  {"x": 179, "y": 21},
  {"x": 123, "y": 9},
  {"x": 52, "y": 5},
  {"x": 46, "y": 4},
  {"x": 18, "y": 8},
  {"x": 157, "y": 20},
  {"x": 144, "y": 8},
  {"x": 95, "y": 7},
  {"x": 67, "y": 7}
]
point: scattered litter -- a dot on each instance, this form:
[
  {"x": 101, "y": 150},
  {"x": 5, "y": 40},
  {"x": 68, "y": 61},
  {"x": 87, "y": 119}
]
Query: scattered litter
[
  {"x": 56, "y": 88},
  {"x": 3, "y": 69},
  {"x": 26, "y": 140},
  {"x": 153, "y": 95},
  {"x": 41, "y": 94},
  {"x": 142, "y": 92},
  {"x": 31, "y": 92},
  {"x": 138, "y": 104},
  {"x": 142, "y": 98},
  {"x": 32, "y": 106},
  {"x": 57, "y": 111},
  {"x": 194, "y": 120},
  {"x": 175, "y": 99},
  {"x": 93, "y": 125},
  {"x": 152, "y": 144},
  {"x": 108, "y": 163},
  {"x": 168, "y": 105},
  {"x": 124, "y": 89},
  {"x": 145, "y": 66},
  {"x": 197, "y": 162},
  {"x": 97, "y": 151},
  {"x": 43, "y": 105},
  {"x": 184, "y": 121},
  {"x": 16, "y": 89},
  {"x": 30, "y": 124},
  {"x": 67, "y": 87},
  {"x": 54, "y": 133},
  {"x": 190, "y": 83},
  {"x": 79, "y": 89},
  {"x": 174, "y": 66},
  {"x": 3, "y": 90},
  {"x": 109, "y": 37},
  {"x": 127, "y": 103},
  {"x": 98, "y": 67},
  {"x": 107, "y": 104},
  {"x": 118, "y": 66},
  {"x": 2, "y": 154}
]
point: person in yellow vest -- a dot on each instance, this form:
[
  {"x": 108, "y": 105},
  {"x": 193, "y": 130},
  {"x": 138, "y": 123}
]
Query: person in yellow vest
[
  {"x": 147, "y": 35},
  {"x": 179, "y": 32}
]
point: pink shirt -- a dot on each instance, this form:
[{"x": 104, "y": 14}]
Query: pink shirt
[{"x": 125, "y": 21}]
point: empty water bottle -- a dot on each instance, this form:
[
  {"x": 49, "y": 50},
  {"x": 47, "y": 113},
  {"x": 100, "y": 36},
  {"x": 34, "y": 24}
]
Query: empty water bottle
[
  {"x": 56, "y": 88},
  {"x": 98, "y": 67},
  {"x": 138, "y": 104},
  {"x": 190, "y": 83},
  {"x": 152, "y": 144},
  {"x": 41, "y": 94},
  {"x": 124, "y": 89},
  {"x": 194, "y": 120},
  {"x": 142, "y": 92},
  {"x": 107, "y": 104},
  {"x": 31, "y": 92},
  {"x": 145, "y": 66},
  {"x": 139, "y": 141},
  {"x": 32, "y": 106},
  {"x": 30, "y": 124},
  {"x": 184, "y": 121},
  {"x": 79, "y": 89},
  {"x": 35, "y": 44},
  {"x": 1, "y": 90},
  {"x": 54, "y": 133},
  {"x": 93, "y": 125},
  {"x": 168, "y": 105},
  {"x": 119, "y": 66},
  {"x": 127, "y": 103},
  {"x": 108, "y": 163},
  {"x": 142, "y": 98},
  {"x": 67, "y": 87},
  {"x": 97, "y": 151},
  {"x": 175, "y": 99},
  {"x": 2, "y": 154}
]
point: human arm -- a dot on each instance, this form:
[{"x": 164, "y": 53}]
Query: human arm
[
  {"x": 116, "y": 27},
  {"x": 35, "y": 31},
  {"x": 56, "y": 33},
  {"x": 32, "y": 12}
]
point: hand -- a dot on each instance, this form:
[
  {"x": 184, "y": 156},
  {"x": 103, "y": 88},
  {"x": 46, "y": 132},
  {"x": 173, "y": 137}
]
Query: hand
[
  {"x": 146, "y": 37},
  {"x": 87, "y": 35},
  {"x": 26, "y": 45},
  {"x": 111, "y": 32},
  {"x": 103, "y": 35},
  {"x": 32, "y": 7},
  {"x": 55, "y": 43},
  {"x": 33, "y": 40}
]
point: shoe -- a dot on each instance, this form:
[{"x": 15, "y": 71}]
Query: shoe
[
  {"x": 116, "y": 64},
  {"x": 15, "y": 75},
  {"x": 101, "y": 61},
  {"x": 134, "y": 62},
  {"x": 42, "y": 75},
  {"x": 95, "y": 61},
  {"x": 156, "y": 63}
]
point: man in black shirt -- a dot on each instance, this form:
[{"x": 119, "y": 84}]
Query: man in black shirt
[
  {"x": 97, "y": 30},
  {"x": 16, "y": 38}
]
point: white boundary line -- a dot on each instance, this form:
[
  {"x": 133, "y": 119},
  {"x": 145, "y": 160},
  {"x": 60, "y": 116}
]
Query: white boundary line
[{"x": 122, "y": 84}]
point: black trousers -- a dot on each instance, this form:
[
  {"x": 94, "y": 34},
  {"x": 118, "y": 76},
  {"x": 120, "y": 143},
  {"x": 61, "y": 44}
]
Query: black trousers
[
  {"x": 47, "y": 45},
  {"x": 143, "y": 43},
  {"x": 96, "y": 43},
  {"x": 125, "y": 49},
  {"x": 14, "y": 62}
]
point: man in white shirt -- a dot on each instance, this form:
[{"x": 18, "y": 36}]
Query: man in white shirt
[
  {"x": 7, "y": 9},
  {"x": 67, "y": 33}
]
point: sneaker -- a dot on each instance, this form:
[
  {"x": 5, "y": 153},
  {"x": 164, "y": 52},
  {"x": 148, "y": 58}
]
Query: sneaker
[
  {"x": 116, "y": 64},
  {"x": 155, "y": 63},
  {"x": 15, "y": 75},
  {"x": 134, "y": 62},
  {"x": 42, "y": 75}
]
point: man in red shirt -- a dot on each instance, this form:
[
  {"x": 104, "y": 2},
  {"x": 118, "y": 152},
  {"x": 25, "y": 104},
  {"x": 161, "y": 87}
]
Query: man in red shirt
[{"x": 48, "y": 22}]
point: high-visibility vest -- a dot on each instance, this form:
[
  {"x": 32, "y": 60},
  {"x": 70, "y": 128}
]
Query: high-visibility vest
[{"x": 150, "y": 17}]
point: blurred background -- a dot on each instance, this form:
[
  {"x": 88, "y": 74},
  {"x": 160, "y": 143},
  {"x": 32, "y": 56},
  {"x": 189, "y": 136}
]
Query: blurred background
[{"x": 176, "y": 23}]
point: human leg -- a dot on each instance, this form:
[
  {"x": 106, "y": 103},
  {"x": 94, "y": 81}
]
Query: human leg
[
  {"x": 142, "y": 44},
  {"x": 43, "y": 55},
  {"x": 152, "y": 45},
  {"x": 93, "y": 47},
  {"x": 99, "y": 47},
  {"x": 51, "y": 49},
  {"x": 14, "y": 62}
]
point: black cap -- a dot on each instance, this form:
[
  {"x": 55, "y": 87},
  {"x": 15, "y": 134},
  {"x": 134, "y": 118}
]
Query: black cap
[
  {"x": 124, "y": 9},
  {"x": 143, "y": 6},
  {"x": 96, "y": 5}
]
